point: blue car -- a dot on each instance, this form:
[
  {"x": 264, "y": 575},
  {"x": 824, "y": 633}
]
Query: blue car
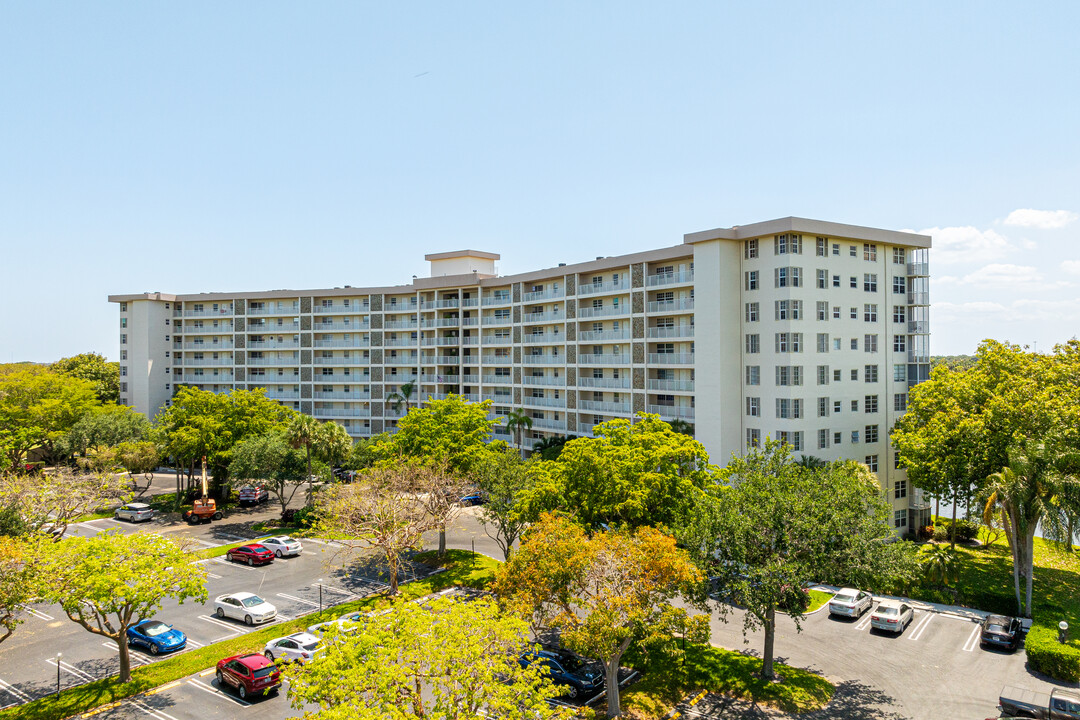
[
  {"x": 571, "y": 673},
  {"x": 156, "y": 637}
]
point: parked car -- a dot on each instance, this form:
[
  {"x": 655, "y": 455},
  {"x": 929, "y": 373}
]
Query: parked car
[
  {"x": 253, "y": 554},
  {"x": 245, "y": 606},
  {"x": 282, "y": 545},
  {"x": 156, "y": 637},
  {"x": 134, "y": 512},
  {"x": 298, "y": 647},
  {"x": 251, "y": 674},
  {"x": 474, "y": 498},
  {"x": 1060, "y": 704},
  {"x": 1001, "y": 631},
  {"x": 252, "y": 494},
  {"x": 567, "y": 670},
  {"x": 850, "y": 602},
  {"x": 892, "y": 616}
]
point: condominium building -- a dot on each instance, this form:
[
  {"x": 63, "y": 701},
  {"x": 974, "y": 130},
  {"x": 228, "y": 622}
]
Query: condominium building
[{"x": 809, "y": 332}]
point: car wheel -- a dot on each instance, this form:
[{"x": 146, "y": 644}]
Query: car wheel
[
  {"x": 571, "y": 692},
  {"x": 277, "y": 553},
  {"x": 217, "y": 516},
  {"x": 269, "y": 655},
  {"x": 242, "y": 691},
  {"x": 248, "y": 620},
  {"x": 220, "y": 679},
  {"x": 153, "y": 649},
  {"x": 220, "y": 612}
]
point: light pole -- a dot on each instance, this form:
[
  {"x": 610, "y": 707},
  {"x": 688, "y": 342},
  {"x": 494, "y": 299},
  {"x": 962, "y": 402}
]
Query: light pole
[
  {"x": 320, "y": 593},
  {"x": 58, "y": 656}
]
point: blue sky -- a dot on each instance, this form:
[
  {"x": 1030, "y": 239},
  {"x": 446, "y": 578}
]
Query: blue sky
[{"x": 240, "y": 146}]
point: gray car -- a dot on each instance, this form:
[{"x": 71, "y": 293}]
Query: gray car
[
  {"x": 892, "y": 616},
  {"x": 134, "y": 512},
  {"x": 850, "y": 603}
]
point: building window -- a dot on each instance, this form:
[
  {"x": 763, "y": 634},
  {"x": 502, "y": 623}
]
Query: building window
[
  {"x": 792, "y": 439},
  {"x": 854, "y": 343},
  {"x": 788, "y": 342},
  {"x": 787, "y": 375},
  {"x": 123, "y": 322},
  {"x": 900, "y": 518},
  {"x": 123, "y": 339},
  {"x": 870, "y": 343},
  {"x": 837, "y": 438},
  {"x": 898, "y": 256},
  {"x": 823, "y": 310},
  {"x": 750, "y": 249},
  {"x": 823, "y": 342},
  {"x": 870, "y": 282},
  {"x": 753, "y": 406},
  {"x": 123, "y": 307},
  {"x": 871, "y": 433},
  {"x": 900, "y": 402},
  {"x": 899, "y": 373},
  {"x": 822, "y": 439},
  {"x": 869, "y": 374},
  {"x": 753, "y": 438},
  {"x": 822, "y": 247},
  {"x": 899, "y": 285},
  {"x": 854, "y": 282},
  {"x": 823, "y": 407},
  {"x": 871, "y": 462},
  {"x": 822, "y": 279},
  {"x": 123, "y": 354},
  {"x": 836, "y": 376},
  {"x": 853, "y": 250},
  {"x": 751, "y": 312},
  {"x": 836, "y": 249},
  {"x": 787, "y": 244},
  {"x": 836, "y": 312},
  {"x": 899, "y": 314},
  {"x": 870, "y": 312},
  {"x": 752, "y": 280},
  {"x": 900, "y": 489},
  {"x": 854, "y": 437},
  {"x": 854, "y": 313},
  {"x": 753, "y": 374},
  {"x": 869, "y": 251},
  {"x": 753, "y": 344},
  {"x": 855, "y": 375},
  {"x": 822, "y": 374},
  {"x": 854, "y": 406},
  {"x": 870, "y": 403},
  {"x": 899, "y": 343}
]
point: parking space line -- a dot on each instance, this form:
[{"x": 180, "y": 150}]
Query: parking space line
[
  {"x": 37, "y": 613},
  {"x": 194, "y": 643},
  {"x": 214, "y": 691},
  {"x": 132, "y": 656},
  {"x": 236, "y": 538},
  {"x": 160, "y": 715},
  {"x": 973, "y": 640},
  {"x": 865, "y": 622},
  {"x": 235, "y": 630},
  {"x": 219, "y": 561},
  {"x": 11, "y": 689},
  {"x": 299, "y": 600},
  {"x": 328, "y": 543},
  {"x": 329, "y": 588},
  {"x": 213, "y": 576},
  {"x": 68, "y": 667},
  {"x": 921, "y": 627}
]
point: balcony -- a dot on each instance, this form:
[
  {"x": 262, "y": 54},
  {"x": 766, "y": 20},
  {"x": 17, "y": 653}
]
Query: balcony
[
  {"x": 341, "y": 412},
  {"x": 470, "y": 302},
  {"x": 274, "y": 361},
  {"x": 597, "y": 406},
  {"x": 918, "y": 269},
  {"x": 495, "y": 320},
  {"x": 342, "y": 395},
  {"x": 671, "y": 278},
  {"x": 440, "y": 360},
  {"x": 670, "y": 306},
  {"x": 537, "y": 318},
  {"x": 441, "y": 342},
  {"x": 678, "y": 331},
  {"x": 543, "y": 339},
  {"x": 606, "y": 311},
  {"x": 671, "y": 358},
  {"x": 671, "y": 385},
  {"x": 918, "y": 356},
  {"x": 203, "y": 379},
  {"x": 225, "y": 328},
  {"x": 401, "y": 325},
  {"x": 342, "y": 343},
  {"x": 497, "y": 380},
  {"x": 205, "y": 362},
  {"x": 470, "y": 321},
  {"x": 496, "y": 300},
  {"x": 401, "y": 342},
  {"x": 604, "y": 359},
  {"x": 283, "y": 311},
  {"x": 496, "y": 359},
  {"x": 918, "y": 298},
  {"x": 342, "y": 309},
  {"x": 682, "y": 412},
  {"x": 441, "y": 322},
  {"x": 284, "y": 395},
  {"x": 620, "y": 383},
  {"x": 547, "y": 380},
  {"x": 208, "y": 313},
  {"x": 494, "y": 340},
  {"x": 543, "y": 359},
  {"x": 545, "y": 424},
  {"x": 470, "y": 379},
  {"x": 336, "y": 378},
  {"x": 543, "y": 402},
  {"x": 470, "y": 359},
  {"x": 340, "y": 361},
  {"x": 447, "y": 303},
  {"x": 918, "y": 327},
  {"x": 604, "y": 336},
  {"x": 606, "y": 287},
  {"x": 542, "y": 295},
  {"x": 208, "y": 347},
  {"x": 274, "y": 344},
  {"x": 347, "y": 327},
  {"x": 499, "y": 399}
]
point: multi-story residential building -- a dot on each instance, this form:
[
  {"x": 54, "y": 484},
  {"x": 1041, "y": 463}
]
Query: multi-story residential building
[{"x": 806, "y": 331}]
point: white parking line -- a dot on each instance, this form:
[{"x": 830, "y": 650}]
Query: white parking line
[
  {"x": 299, "y": 600},
  {"x": 328, "y": 588},
  {"x": 973, "y": 639},
  {"x": 235, "y": 630},
  {"x": 865, "y": 622},
  {"x": 214, "y": 691},
  {"x": 921, "y": 627},
  {"x": 229, "y": 563},
  {"x": 328, "y": 543},
  {"x": 236, "y": 538},
  {"x": 37, "y": 613},
  {"x": 151, "y": 711},
  {"x": 194, "y": 643},
  {"x": 11, "y": 689},
  {"x": 68, "y": 667},
  {"x": 213, "y": 576},
  {"x": 132, "y": 656}
]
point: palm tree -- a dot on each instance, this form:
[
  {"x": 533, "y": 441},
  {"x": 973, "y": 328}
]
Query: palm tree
[
  {"x": 681, "y": 426},
  {"x": 302, "y": 432},
  {"x": 940, "y": 564},
  {"x": 809, "y": 462},
  {"x": 516, "y": 422},
  {"x": 403, "y": 395},
  {"x": 550, "y": 447}
]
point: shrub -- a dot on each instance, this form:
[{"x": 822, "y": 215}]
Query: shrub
[
  {"x": 941, "y": 533},
  {"x": 1046, "y": 655},
  {"x": 926, "y": 533},
  {"x": 966, "y": 530},
  {"x": 299, "y": 517}
]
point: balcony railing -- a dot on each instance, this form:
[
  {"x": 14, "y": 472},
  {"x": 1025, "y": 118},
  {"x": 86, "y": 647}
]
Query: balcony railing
[
  {"x": 543, "y": 359},
  {"x": 342, "y": 343},
  {"x": 497, "y": 380},
  {"x": 683, "y": 412},
  {"x": 341, "y": 412},
  {"x": 604, "y": 359},
  {"x": 225, "y": 327},
  {"x": 441, "y": 322},
  {"x": 203, "y": 379},
  {"x": 536, "y": 318},
  {"x": 671, "y": 385},
  {"x": 678, "y": 331},
  {"x": 470, "y": 321},
  {"x": 671, "y": 278},
  {"x": 206, "y": 362},
  {"x": 622, "y": 382},
  {"x": 604, "y": 335},
  {"x": 606, "y": 311},
  {"x": 919, "y": 327},
  {"x": 342, "y": 395},
  {"x": 497, "y": 320},
  {"x": 208, "y": 313},
  {"x": 439, "y": 304},
  {"x": 470, "y": 379},
  {"x": 545, "y": 424},
  {"x": 918, "y": 269},
  {"x": 496, "y": 359},
  {"x": 441, "y": 342},
  {"x": 401, "y": 325},
  {"x": 604, "y": 407},
  {"x": 208, "y": 347},
  {"x": 341, "y": 378},
  {"x": 358, "y": 360},
  {"x": 542, "y": 295},
  {"x": 543, "y": 380},
  {"x": 543, "y": 339},
  {"x": 470, "y": 302},
  {"x": 671, "y": 358},
  {"x": 401, "y": 342},
  {"x": 918, "y": 298},
  {"x": 918, "y": 356},
  {"x": 274, "y": 361},
  {"x": 494, "y": 340},
  {"x": 666, "y": 306},
  {"x": 342, "y": 309},
  {"x": 496, "y": 300},
  {"x": 440, "y": 360},
  {"x": 543, "y": 401},
  {"x": 348, "y": 327},
  {"x": 606, "y": 287},
  {"x": 274, "y": 344},
  {"x": 283, "y": 311}
]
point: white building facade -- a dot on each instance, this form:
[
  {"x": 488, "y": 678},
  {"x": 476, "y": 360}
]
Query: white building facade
[{"x": 801, "y": 330}]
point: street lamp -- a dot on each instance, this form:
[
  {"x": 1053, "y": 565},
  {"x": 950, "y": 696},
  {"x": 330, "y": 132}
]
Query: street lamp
[
  {"x": 1063, "y": 632},
  {"x": 58, "y": 656},
  {"x": 320, "y": 593}
]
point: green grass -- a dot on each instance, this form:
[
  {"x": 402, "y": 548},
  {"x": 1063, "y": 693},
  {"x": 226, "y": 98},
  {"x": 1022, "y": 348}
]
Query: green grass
[
  {"x": 818, "y": 599},
  {"x": 666, "y": 681},
  {"x": 462, "y": 568}
]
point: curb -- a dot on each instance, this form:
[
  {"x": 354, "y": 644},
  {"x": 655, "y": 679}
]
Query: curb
[{"x": 675, "y": 712}]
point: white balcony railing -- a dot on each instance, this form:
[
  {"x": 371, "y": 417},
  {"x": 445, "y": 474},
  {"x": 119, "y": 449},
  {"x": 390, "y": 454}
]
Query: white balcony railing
[
  {"x": 543, "y": 339},
  {"x": 605, "y": 311},
  {"x": 543, "y": 401},
  {"x": 667, "y": 306},
  {"x": 543, "y": 359},
  {"x": 274, "y": 361},
  {"x": 496, "y": 300},
  {"x": 678, "y": 331},
  {"x": 671, "y": 278},
  {"x": 497, "y": 320},
  {"x": 604, "y": 359},
  {"x": 542, "y": 295},
  {"x": 282, "y": 311},
  {"x": 274, "y": 344},
  {"x": 682, "y": 412},
  {"x": 343, "y": 343},
  {"x": 208, "y": 347},
  {"x": 671, "y": 358},
  {"x": 497, "y": 380},
  {"x": 342, "y": 309},
  {"x": 604, "y": 335},
  {"x": 671, "y": 385},
  {"x": 606, "y": 287},
  {"x": 622, "y": 408},
  {"x": 547, "y": 380},
  {"x": 340, "y": 360},
  {"x": 608, "y": 382}
]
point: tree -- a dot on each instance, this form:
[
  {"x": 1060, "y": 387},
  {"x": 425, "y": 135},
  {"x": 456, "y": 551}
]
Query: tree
[
  {"x": 634, "y": 474},
  {"x": 37, "y": 407},
  {"x": 96, "y": 369},
  {"x": 108, "y": 582},
  {"x": 139, "y": 458},
  {"x": 367, "y": 452},
  {"x": 385, "y": 510},
  {"x": 517, "y": 422},
  {"x": 451, "y": 429},
  {"x": 20, "y": 579},
  {"x": 303, "y": 432},
  {"x": 108, "y": 425},
  {"x": 776, "y": 526},
  {"x": 271, "y": 459},
  {"x": 402, "y": 396},
  {"x": 940, "y": 564},
  {"x": 334, "y": 443},
  {"x": 443, "y": 659},
  {"x": 549, "y": 448},
  {"x": 50, "y": 501},
  {"x": 602, "y": 592},
  {"x": 681, "y": 426},
  {"x": 503, "y": 477}
]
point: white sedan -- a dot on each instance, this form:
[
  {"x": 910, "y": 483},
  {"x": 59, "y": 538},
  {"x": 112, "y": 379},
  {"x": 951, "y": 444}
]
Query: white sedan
[
  {"x": 892, "y": 616},
  {"x": 245, "y": 606},
  {"x": 850, "y": 603},
  {"x": 134, "y": 512},
  {"x": 282, "y": 545},
  {"x": 298, "y": 647}
]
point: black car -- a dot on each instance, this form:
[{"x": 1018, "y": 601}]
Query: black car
[
  {"x": 568, "y": 671},
  {"x": 1001, "y": 631}
]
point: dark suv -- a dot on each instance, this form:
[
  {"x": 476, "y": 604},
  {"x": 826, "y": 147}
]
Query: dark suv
[
  {"x": 567, "y": 670},
  {"x": 1001, "y": 631},
  {"x": 249, "y": 674}
]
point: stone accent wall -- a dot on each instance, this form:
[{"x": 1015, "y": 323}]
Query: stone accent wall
[
  {"x": 376, "y": 303},
  {"x": 376, "y": 357},
  {"x": 305, "y": 322},
  {"x": 639, "y": 378},
  {"x": 305, "y": 391},
  {"x": 238, "y": 324},
  {"x": 376, "y": 375},
  {"x": 517, "y": 333},
  {"x": 240, "y": 341},
  {"x": 239, "y": 374},
  {"x": 517, "y": 396},
  {"x": 376, "y": 322},
  {"x": 571, "y": 309},
  {"x": 305, "y": 305},
  {"x": 305, "y": 357},
  {"x": 638, "y": 300},
  {"x": 571, "y": 285},
  {"x": 305, "y": 407},
  {"x": 517, "y": 356},
  {"x": 571, "y": 423},
  {"x": 305, "y": 374},
  {"x": 571, "y": 400},
  {"x": 571, "y": 331},
  {"x": 517, "y": 292},
  {"x": 639, "y": 353},
  {"x": 376, "y": 339},
  {"x": 639, "y": 328},
  {"x": 637, "y": 275},
  {"x": 305, "y": 340},
  {"x": 376, "y": 427},
  {"x": 639, "y": 402},
  {"x": 517, "y": 314},
  {"x": 571, "y": 376},
  {"x": 376, "y": 392},
  {"x": 571, "y": 354},
  {"x": 239, "y": 358},
  {"x": 517, "y": 375}
]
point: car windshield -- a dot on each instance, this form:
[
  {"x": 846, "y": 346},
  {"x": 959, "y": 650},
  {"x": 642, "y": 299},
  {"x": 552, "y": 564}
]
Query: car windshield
[
  {"x": 263, "y": 672},
  {"x": 252, "y": 601},
  {"x": 571, "y": 663},
  {"x": 283, "y": 539},
  {"x": 154, "y": 628},
  {"x": 844, "y": 598},
  {"x": 886, "y": 610},
  {"x": 310, "y": 646},
  {"x": 996, "y": 628}
]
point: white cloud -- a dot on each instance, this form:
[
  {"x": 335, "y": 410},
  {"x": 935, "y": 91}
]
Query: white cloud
[
  {"x": 1006, "y": 276},
  {"x": 967, "y": 243},
  {"x": 1042, "y": 219},
  {"x": 1024, "y": 310},
  {"x": 1071, "y": 266}
]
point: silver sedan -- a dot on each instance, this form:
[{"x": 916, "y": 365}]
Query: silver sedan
[
  {"x": 282, "y": 545},
  {"x": 850, "y": 603}
]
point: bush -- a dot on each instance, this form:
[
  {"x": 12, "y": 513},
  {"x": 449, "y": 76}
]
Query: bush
[
  {"x": 966, "y": 530},
  {"x": 941, "y": 533},
  {"x": 1049, "y": 657},
  {"x": 926, "y": 533},
  {"x": 299, "y": 517}
]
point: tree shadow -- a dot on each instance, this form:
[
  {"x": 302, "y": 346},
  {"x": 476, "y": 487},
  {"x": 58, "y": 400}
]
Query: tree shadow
[{"x": 851, "y": 701}]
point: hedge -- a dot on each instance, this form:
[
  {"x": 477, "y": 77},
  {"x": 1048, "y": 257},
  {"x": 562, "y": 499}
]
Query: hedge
[{"x": 1049, "y": 657}]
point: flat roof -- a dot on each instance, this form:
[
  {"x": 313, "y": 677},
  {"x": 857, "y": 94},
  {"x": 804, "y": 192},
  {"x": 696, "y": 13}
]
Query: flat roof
[
  {"x": 810, "y": 227},
  {"x": 462, "y": 253}
]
